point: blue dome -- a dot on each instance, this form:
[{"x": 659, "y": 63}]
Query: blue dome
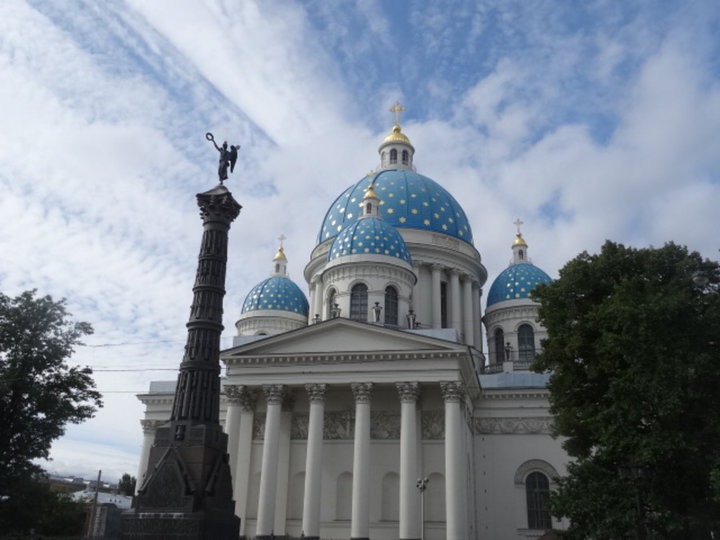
[
  {"x": 279, "y": 293},
  {"x": 516, "y": 282},
  {"x": 371, "y": 236},
  {"x": 407, "y": 200}
]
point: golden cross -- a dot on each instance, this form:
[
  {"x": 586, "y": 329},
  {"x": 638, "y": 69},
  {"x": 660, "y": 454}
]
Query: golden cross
[
  {"x": 397, "y": 109},
  {"x": 518, "y": 223},
  {"x": 282, "y": 237}
]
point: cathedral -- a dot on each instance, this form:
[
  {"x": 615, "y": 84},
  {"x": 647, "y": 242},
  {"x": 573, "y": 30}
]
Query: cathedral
[{"x": 372, "y": 408}]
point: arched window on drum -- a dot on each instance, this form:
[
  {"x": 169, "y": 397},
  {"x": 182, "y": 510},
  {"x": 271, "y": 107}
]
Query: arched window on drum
[
  {"x": 359, "y": 302},
  {"x": 526, "y": 343},
  {"x": 391, "y": 306}
]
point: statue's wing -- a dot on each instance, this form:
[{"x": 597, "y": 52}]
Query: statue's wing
[{"x": 233, "y": 157}]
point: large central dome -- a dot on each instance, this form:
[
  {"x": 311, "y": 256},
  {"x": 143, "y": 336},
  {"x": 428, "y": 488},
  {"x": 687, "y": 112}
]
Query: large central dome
[{"x": 408, "y": 201}]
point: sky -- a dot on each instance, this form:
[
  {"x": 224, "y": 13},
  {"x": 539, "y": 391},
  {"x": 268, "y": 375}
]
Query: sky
[{"x": 587, "y": 120}]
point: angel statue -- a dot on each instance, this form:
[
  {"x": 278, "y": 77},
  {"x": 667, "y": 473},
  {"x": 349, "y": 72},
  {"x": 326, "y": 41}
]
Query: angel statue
[{"x": 227, "y": 157}]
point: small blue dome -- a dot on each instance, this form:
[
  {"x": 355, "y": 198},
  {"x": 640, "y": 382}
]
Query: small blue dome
[
  {"x": 279, "y": 293},
  {"x": 370, "y": 236},
  {"x": 516, "y": 282},
  {"x": 407, "y": 200}
]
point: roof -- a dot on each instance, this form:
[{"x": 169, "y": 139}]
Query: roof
[
  {"x": 516, "y": 282},
  {"x": 276, "y": 293},
  {"x": 408, "y": 200}
]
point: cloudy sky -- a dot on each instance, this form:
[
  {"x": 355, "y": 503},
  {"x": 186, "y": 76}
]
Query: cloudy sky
[{"x": 588, "y": 120}]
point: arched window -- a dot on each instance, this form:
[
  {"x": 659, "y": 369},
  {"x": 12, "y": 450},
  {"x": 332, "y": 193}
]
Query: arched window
[
  {"x": 520, "y": 253},
  {"x": 343, "y": 496},
  {"x": 391, "y": 306},
  {"x": 359, "y": 302},
  {"x": 499, "y": 346},
  {"x": 405, "y": 157},
  {"x": 537, "y": 489},
  {"x": 393, "y": 156},
  {"x": 331, "y": 298},
  {"x": 526, "y": 343}
]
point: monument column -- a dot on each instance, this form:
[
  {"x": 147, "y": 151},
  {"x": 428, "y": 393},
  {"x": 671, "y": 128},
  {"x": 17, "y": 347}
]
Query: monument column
[
  {"x": 436, "y": 297},
  {"x": 455, "y": 481},
  {"x": 187, "y": 490},
  {"x": 360, "y": 524},
  {"x": 409, "y": 500},
  {"x": 313, "y": 461},
  {"x": 268, "y": 472}
]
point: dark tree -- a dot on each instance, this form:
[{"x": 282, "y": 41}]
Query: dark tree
[
  {"x": 33, "y": 505},
  {"x": 126, "y": 485},
  {"x": 634, "y": 347},
  {"x": 39, "y": 392}
]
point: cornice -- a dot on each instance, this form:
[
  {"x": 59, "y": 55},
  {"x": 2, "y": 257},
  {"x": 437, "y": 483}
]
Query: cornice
[{"x": 337, "y": 358}]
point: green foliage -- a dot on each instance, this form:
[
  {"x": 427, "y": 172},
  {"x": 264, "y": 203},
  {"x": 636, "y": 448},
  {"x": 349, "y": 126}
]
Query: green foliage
[
  {"x": 634, "y": 347},
  {"x": 126, "y": 485},
  {"x": 39, "y": 392},
  {"x": 33, "y": 505}
]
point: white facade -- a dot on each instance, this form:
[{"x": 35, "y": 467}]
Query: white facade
[{"x": 332, "y": 421}]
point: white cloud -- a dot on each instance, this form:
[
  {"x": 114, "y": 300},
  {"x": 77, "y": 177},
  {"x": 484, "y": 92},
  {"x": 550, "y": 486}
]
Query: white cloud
[{"x": 104, "y": 110}]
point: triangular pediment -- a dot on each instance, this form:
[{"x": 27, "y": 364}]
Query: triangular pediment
[{"x": 339, "y": 336}]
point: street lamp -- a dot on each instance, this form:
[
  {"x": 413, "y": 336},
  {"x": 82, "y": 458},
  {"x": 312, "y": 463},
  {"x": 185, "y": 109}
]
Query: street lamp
[{"x": 421, "y": 484}]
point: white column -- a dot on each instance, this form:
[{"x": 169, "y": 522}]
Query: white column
[
  {"x": 436, "y": 300},
  {"x": 268, "y": 474},
  {"x": 477, "y": 311},
  {"x": 148, "y": 428},
  {"x": 241, "y": 477},
  {"x": 455, "y": 481},
  {"x": 313, "y": 461},
  {"x": 455, "y": 300},
  {"x": 468, "y": 313},
  {"x": 283, "y": 464},
  {"x": 360, "y": 525},
  {"x": 316, "y": 306},
  {"x": 409, "y": 498},
  {"x": 232, "y": 423}
]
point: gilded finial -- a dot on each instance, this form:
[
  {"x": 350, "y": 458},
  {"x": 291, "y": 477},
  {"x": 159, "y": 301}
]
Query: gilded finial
[
  {"x": 396, "y": 110},
  {"x": 519, "y": 240},
  {"x": 280, "y": 255}
]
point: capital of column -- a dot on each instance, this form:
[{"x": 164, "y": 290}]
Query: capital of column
[
  {"x": 232, "y": 393},
  {"x": 362, "y": 392},
  {"x": 454, "y": 271},
  {"x": 316, "y": 392},
  {"x": 288, "y": 400},
  {"x": 149, "y": 426},
  {"x": 436, "y": 267},
  {"x": 246, "y": 396},
  {"x": 409, "y": 391},
  {"x": 452, "y": 391},
  {"x": 273, "y": 393}
]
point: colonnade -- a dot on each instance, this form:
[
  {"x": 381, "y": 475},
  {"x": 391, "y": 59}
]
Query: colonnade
[
  {"x": 240, "y": 407},
  {"x": 463, "y": 300}
]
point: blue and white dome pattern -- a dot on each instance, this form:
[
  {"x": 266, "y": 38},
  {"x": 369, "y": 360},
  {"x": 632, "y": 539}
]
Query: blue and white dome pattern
[
  {"x": 278, "y": 293},
  {"x": 407, "y": 200},
  {"x": 369, "y": 236},
  {"x": 516, "y": 282}
]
